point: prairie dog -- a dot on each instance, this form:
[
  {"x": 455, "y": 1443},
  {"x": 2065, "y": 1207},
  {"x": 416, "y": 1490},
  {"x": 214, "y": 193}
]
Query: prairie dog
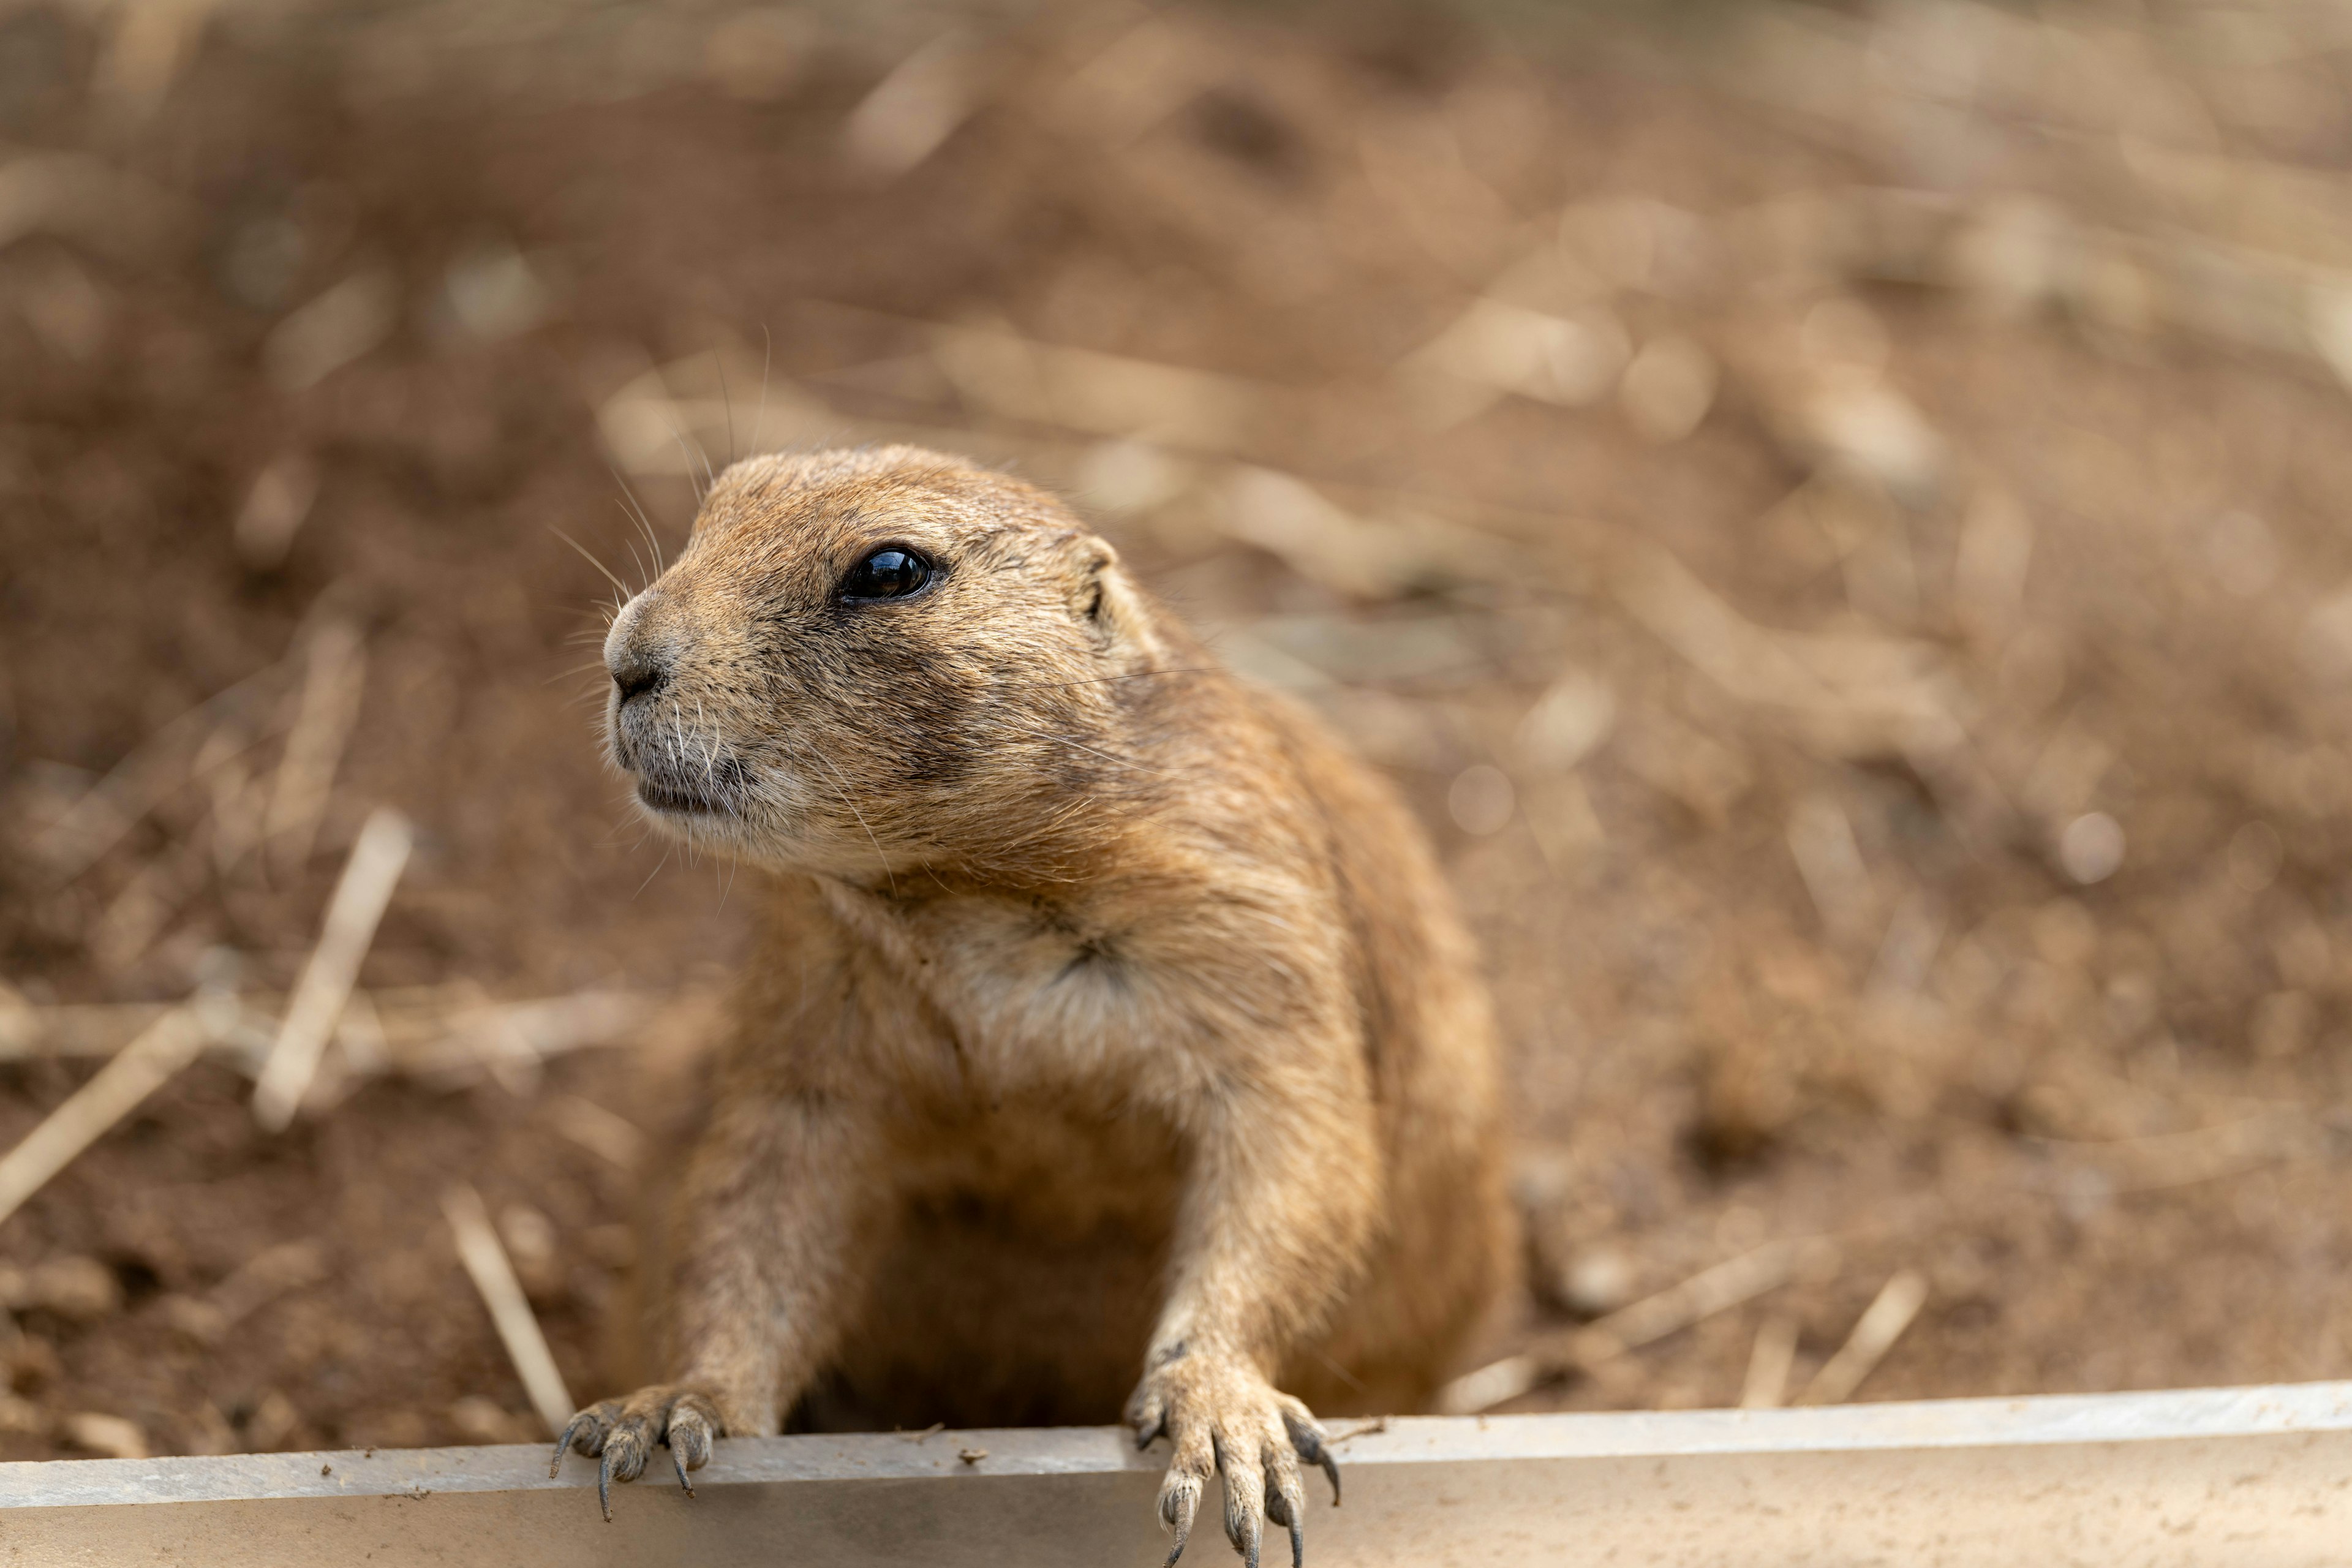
[{"x": 1111, "y": 1044}]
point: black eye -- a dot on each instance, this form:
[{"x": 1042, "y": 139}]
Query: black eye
[{"x": 890, "y": 573}]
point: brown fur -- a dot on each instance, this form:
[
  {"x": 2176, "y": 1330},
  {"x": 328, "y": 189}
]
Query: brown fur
[{"x": 1106, "y": 1019}]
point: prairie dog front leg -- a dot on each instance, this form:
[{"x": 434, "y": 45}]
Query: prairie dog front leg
[
  {"x": 1277, "y": 1217},
  {"x": 776, "y": 1220}
]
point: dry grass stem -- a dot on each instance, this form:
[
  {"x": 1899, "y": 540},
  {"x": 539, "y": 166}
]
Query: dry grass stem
[
  {"x": 493, "y": 1275},
  {"x": 1701, "y": 1296},
  {"x": 1491, "y": 1384},
  {"x": 368, "y": 880},
  {"x": 147, "y": 905},
  {"x": 1020, "y": 378},
  {"x": 1875, "y": 1334},
  {"x": 455, "y": 1042},
  {"x": 504, "y": 1051},
  {"x": 142, "y": 780},
  {"x": 334, "y": 679},
  {"x": 599, "y": 1131},
  {"x": 2201, "y": 1154},
  {"x": 240, "y": 804},
  {"x": 169, "y": 1044},
  {"x": 1850, "y": 694},
  {"x": 440, "y": 1034},
  {"x": 74, "y": 1029},
  {"x": 268, "y": 1275},
  {"x": 112, "y": 1436},
  {"x": 1775, "y": 1352}
]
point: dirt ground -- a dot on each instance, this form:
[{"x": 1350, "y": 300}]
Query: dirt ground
[{"x": 1833, "y": 517}]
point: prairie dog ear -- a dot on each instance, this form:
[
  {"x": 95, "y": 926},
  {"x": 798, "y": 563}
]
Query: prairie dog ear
[{"x": 1106, "y": 603}]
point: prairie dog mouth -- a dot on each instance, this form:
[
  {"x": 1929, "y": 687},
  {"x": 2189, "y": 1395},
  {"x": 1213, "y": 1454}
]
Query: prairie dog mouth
[{"x": 675, "y": 800}]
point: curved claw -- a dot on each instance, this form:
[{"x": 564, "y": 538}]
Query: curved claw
[
  {"x": 605, "y": 1485},
  {"x": 677, "y": 1462},
  {"x": 1245, "y": 1506},
  {"x": 584, "y": 1421},
  {"x": 1284, "y": 1509},
  {"x": 1147, "y": 1418},
  {"x": 1184, "y": 1503},
  {"x": 1309, "y": 1443}
]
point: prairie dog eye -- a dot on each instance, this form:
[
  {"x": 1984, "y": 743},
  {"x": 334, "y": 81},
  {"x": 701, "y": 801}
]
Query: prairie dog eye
[{"x": 892, "y": 571}]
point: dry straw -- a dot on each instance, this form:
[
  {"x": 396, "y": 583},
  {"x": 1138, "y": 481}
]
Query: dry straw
[
  {"x": 493, "y": 1274},
  {"x": 369, "y": 876},
  {"x": 1677, "y": 1307},
  {"x": 1875, "y": 1334},
  {"x": 141, "y": 1068}
]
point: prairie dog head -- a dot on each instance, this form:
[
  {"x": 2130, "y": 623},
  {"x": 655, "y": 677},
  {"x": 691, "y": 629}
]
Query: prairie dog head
[{"x": 868, "y": 661}]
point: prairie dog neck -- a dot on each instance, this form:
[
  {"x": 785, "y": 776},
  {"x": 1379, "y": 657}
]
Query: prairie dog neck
[{"x": 1041, "y": 990}]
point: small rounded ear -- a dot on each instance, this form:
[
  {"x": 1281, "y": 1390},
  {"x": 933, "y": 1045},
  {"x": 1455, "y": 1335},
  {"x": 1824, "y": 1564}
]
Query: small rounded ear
[{"x": 1108, "y": 604}]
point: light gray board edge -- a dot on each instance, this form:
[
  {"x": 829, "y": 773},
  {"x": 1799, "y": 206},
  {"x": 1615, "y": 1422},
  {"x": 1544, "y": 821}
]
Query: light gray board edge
[{"x": 2049, "y": 1420}]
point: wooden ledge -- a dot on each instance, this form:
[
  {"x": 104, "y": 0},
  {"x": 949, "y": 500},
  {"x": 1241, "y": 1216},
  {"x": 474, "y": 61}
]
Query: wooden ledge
[{"x": 2246, "y": 1475}]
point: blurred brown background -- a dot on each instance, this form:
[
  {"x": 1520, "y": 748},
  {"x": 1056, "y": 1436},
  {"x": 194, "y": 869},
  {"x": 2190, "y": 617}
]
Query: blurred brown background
[{"x": 1832, "y": 515}]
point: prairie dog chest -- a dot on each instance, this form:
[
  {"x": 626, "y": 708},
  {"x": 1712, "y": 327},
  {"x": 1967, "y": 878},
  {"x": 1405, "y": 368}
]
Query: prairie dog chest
[{"x": 1039, "y": 995}]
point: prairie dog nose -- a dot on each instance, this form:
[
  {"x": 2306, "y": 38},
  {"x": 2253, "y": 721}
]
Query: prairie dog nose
[{"x": 639, "y": 663}]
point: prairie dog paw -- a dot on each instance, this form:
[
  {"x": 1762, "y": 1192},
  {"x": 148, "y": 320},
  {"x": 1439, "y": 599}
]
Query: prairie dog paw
[
  {"x": 1222, "y": 1416},
  {"x": 624, "y": 1432}
]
